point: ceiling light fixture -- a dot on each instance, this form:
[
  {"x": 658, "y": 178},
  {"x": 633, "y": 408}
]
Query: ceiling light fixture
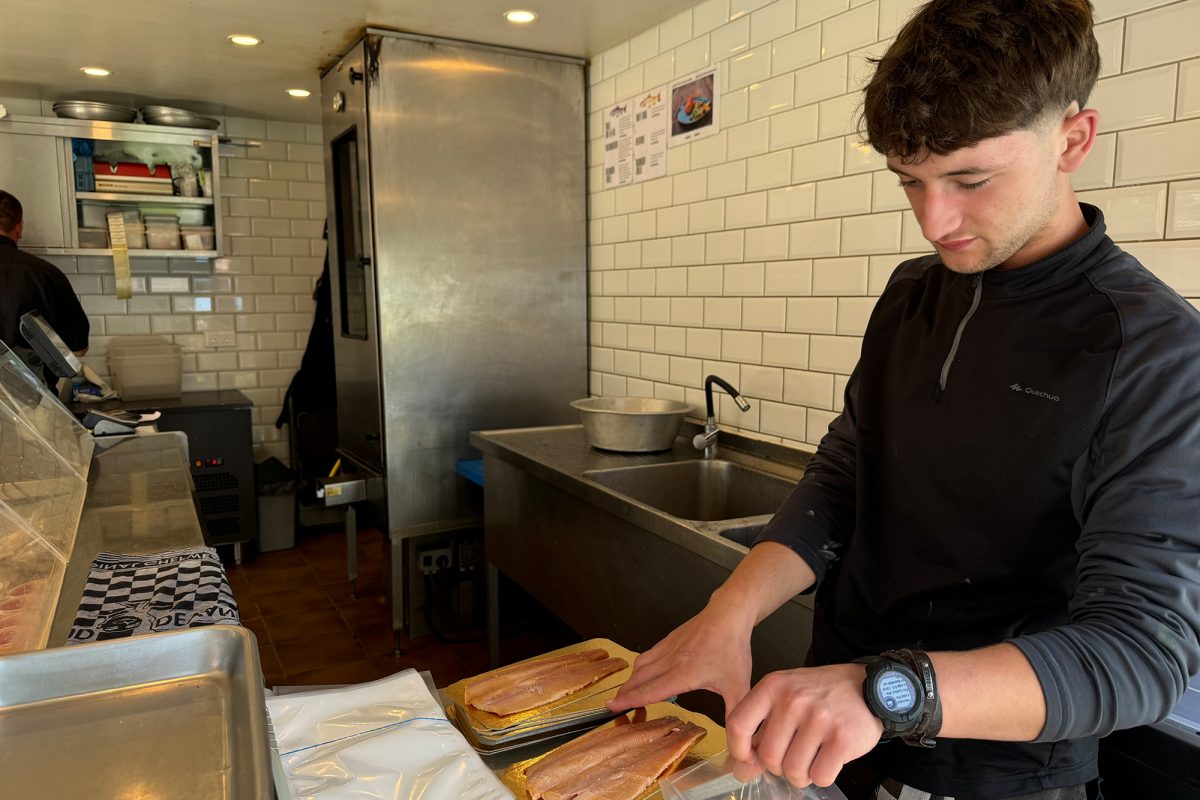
[
  {"x": 299, "y": 92},
  {"x": 244, "y": 39},
  {"x": 520, "y": 16},
  {"x": 96, "y": 72}
]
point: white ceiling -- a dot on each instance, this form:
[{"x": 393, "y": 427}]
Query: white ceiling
[{"x": 174, "y": 52}]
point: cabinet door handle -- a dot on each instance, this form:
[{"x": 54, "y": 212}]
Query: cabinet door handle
[{"x": 355, "y": 75}]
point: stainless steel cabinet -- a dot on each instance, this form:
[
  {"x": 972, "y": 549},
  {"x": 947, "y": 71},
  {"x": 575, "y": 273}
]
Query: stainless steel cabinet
[{"x": 32, "y": 169}]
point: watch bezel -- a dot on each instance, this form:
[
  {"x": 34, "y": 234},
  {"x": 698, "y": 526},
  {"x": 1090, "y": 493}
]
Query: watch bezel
[{"x": 894, "y": 723}]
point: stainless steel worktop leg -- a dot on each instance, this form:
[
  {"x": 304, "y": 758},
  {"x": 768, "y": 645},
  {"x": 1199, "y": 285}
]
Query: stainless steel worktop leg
[
  {"x": 352, "y": 550},
  {"x": 493, "y": 612}
]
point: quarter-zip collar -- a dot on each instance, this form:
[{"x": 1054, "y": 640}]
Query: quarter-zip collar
[
  {"x": 1058, "y": 267},
  {"x": 6, "y": 241}
]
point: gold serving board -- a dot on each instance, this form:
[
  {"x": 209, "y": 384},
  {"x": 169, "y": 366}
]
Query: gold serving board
[
  {"x": 586, "y": 700},
  {"x": 712, "y": 743}
]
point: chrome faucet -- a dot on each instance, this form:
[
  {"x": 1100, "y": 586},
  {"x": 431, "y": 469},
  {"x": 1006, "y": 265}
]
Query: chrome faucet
[{"x": 707, "y": 441}]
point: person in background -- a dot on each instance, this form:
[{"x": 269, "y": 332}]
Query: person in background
[
  {"x": 1003, "y": 524},
  {"x": 27, "y": 283}
]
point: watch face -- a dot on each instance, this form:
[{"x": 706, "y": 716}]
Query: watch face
[{"x": 895, "y": 692}]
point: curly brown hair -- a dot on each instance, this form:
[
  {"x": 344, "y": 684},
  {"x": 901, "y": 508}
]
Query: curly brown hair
[
  {"x": 961, "y": 71},
  {"x": 11, "y": 214}
]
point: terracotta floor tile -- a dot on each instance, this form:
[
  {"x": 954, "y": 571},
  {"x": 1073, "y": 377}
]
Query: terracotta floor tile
[
  {"x": 270, "y": 562},
  {"x": 444, "y": 665},
  {"x": 290, "y": 600},
  {"x": 259, "y": 629},
  {"x": 366, "y": 612},
  {"x": 282, "y": 579},
  {"x": 304, "y": 655},
  {"x": 307, "y": 624}
]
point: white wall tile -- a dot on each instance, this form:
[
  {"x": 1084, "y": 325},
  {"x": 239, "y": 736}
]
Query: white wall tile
[
  {"x": 764, "y": 313},
  {"x": 743, "y": 279},
  {"x": 1163, "y": 152},
  {"x": 627, "y": 254},
  {"x": 724, "y": 247},
  {"x": 785, "y": 350},
  {"x": 769, "y": 171},
  {"x": 659, "y": 70},
  {"x": 703, "y": 343},
  {"x": 792, "y": 128},
  {"x": 671, "y": 281},
  {"x": 770, "y": 97},
  {"x": 767, "y": 244},
  {"x": 812, "y": 315},
  {"x": 737, "y": 107},
  {"x": 709, "y": 15},
  {"x": 655, "y": 367},
  {"x": 1183, "y": 214},
  {"x": 860, "y": 157},
  {"x": 1097, "y": 169},
  {"x": 888, "y": 195},
  {"x": 812, "y": 162},
  {"x": 796, "y": 50},
  {"x": 730, "y": 39},
  {"x": 706, "y": 216},
  {"x": 656, "y": 311},
  {"x": 1137, "y": 99},
  {"x": 842, "y": 196},
  {"x": 687, "y": 311},
  {"x": 853, "y": 314},
  {"x": 1132, "y": 213},
  {"x": 706, "y": 152},
  {"x": 839, "y": 116},
  {"x": 815, "y": 239},
  {"x": 811, "y": 11},
  {"x": 1188, "y": 102},
  {"x": 643, "y": 225},
  {"x": 765, "y": 383},
  {"x": 750, "y": 139},
  {"x": 1162, "y": 35},
  {"x": 672, "y": 341},
  {"x": 727, "y": 179},
  {"x": 821, "y": 81},
  {"x": 641, "y": 337},
  {"x": 722, "y": 312},
  {"x": 772, "y": 21},
  {"x": 745, "y": 347},
  {"x": 833, "y": 353},
  {"x": 1109, "y": 9},
  {"x": 871, "y": 233},
  {"x": 849, "y": 31},
  {"x": 1173, "y": 262},
  {"x": 690, "y": 187},
  {"x": 791, "y": 203},
  {"x": 675, "y": 31},
  {"x": 743, "y": 211},
  {"x": 893, "y": 14},
  {"x": 705, "y": 280},
  {"x": 783, "y": 420},
  {"x": 840, "y": 276},
  {"x": 813, "y": 389},
  {"x": 629, "y": 82},
  {"x": 862, "y": 66},
  {"x": 750, "y": 67},
  {"x": 686, "y": 250},
  {"x": 672, "y": 221},
  {"x": 656, "y": 252},
  {"x": 691, "y": 56},
  {"x": 644, "y": 46},
  {"x": 789, "y": 278},
  {"x": 1111, "y": 38}
]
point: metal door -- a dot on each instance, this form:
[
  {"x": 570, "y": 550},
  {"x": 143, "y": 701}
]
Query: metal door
[{"x": 351, "y": 255}]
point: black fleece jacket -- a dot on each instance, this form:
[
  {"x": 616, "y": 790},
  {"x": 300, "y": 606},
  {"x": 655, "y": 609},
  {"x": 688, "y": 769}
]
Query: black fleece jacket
[{"x": 1018, "y": 459}]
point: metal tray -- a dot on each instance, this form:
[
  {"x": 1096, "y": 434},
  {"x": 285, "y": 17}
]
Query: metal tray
[
  {"x": 176, "y": 714},
  {"x": 714, "y": 742},
  {"x": 85, "y": 109},
  {"x": 587, "y": 702},
  {"x": 178, "y": 118}
]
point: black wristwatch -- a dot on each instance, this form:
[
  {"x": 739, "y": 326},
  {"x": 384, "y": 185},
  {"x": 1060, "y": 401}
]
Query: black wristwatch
[{"x": 901, "y": 690}]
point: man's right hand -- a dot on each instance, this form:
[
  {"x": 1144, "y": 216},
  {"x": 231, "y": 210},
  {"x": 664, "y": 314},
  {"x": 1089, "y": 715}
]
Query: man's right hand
[{"x": 710, "y": 651}]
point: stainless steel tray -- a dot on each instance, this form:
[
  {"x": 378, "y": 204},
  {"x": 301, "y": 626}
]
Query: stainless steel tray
[
  {"x": 176, "y": 714},
  {"x": 85, "y": 109},
  {"x": 177, "y": 117}
]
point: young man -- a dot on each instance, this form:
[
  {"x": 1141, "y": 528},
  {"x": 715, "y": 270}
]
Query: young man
[
  {"x": 1004, "y": 521},
  {"x": 27, "y": 283}
]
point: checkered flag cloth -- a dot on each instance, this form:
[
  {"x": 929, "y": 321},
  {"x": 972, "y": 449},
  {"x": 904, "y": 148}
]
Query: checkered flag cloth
[{"x": 131, "y": 595}]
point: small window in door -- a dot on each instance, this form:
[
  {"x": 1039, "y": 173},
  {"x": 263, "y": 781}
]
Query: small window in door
[{"x": 352, "y": 275}]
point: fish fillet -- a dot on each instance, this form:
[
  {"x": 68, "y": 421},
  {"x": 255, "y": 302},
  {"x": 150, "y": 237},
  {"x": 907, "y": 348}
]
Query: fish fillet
[
  {"x": 519, "y": 672},
  {"x": 546, "y": 687},
  {"x": 627, "y": 774},
  {"x": 591, "y": 749}
]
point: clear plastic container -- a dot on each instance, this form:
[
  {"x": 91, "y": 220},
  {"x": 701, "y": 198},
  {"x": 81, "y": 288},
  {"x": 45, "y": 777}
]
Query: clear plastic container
[
  {"x": 162, "y": 232},
  {"x": 145, "y": 367},
  {"x": 135, "y": 229},
  {"x": 712, "y": 779},
  {"x": 198, "y": 237},
  {"x": 93, "y": 238}
]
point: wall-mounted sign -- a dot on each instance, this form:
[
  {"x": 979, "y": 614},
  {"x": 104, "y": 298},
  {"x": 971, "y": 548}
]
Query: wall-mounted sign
[
  {"x": 618, "y": 145},
  {"x": 694, "y": 107}
]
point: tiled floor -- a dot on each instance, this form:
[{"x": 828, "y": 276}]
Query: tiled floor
[{"x": 310, "y": 632}]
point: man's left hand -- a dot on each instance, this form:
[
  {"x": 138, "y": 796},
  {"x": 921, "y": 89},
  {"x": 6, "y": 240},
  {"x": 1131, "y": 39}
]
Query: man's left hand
[{"x": 813, "y": 721}]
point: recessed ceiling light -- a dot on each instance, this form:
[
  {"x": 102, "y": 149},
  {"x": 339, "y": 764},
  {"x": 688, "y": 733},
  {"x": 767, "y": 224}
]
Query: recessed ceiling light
[
  {"x": 96, "y": 72},
  {"x": 520, "y": 16},
  {"x": 299, "y": 92},
  {"x": 244, "y": 39}
]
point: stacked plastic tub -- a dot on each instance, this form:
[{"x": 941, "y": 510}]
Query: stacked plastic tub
[{"x": 44, "y": 459}]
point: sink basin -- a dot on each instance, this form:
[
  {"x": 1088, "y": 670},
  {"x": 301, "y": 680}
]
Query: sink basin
[
  {"x": 743, "y": 534},
  {"x": 698, "y": 490}
]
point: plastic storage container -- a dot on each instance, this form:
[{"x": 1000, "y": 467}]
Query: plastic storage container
[
  {"x": 198, "y": 237},
  {"x": 162, "y": 233},
  {"x": 145, "y": 367},
  {"x": 135, "y": 230},
  {"x": 93, "y": 238}
]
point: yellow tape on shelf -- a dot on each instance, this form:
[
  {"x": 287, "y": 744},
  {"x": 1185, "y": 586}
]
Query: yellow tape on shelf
[{"x": 120, "y": 251}]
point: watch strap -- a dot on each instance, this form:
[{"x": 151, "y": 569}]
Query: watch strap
[{"x": 929, "y": 725}]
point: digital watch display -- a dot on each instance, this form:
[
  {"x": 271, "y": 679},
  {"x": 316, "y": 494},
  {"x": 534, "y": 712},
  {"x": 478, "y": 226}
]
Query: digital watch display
[{"x": 895, "y": 694}]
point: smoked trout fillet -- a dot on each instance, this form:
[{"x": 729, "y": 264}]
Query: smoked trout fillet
[
  {"x": 535, "y": 683},
  {"x": 617, "y": 763}
]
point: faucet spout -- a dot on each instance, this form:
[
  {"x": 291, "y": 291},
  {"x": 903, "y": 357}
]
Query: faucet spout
[{"x": 707, "y": 441}]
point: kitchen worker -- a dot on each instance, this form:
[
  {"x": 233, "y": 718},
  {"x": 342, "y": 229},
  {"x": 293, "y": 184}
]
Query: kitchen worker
[
  {"x": 27, "y": 283},
  {"x": 1004, "y": 521}
]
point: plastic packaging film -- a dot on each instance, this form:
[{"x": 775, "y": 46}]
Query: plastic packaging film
[
  {"x": 713, "y": 780},
  {"x": 384, "y": 739}
]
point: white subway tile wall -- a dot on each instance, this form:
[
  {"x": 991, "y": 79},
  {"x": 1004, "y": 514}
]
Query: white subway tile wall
[
  {"x": 765, "y": 249},
  {"x": 273, "y": 214}
]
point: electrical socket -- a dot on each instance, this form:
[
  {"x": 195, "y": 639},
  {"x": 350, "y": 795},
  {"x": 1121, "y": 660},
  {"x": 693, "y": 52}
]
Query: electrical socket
[
  {"x": 219, "y": 338},
  {"x": 432, "y": 559}
]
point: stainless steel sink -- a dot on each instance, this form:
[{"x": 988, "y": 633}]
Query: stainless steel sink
[
  {"x": 743, "y": 534},
  {"x": 699, "y": 490}
]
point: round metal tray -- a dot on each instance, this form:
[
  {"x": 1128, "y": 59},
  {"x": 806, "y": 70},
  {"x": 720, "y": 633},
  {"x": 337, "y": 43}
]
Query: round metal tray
[
  {"x": 86, "y": 109},
  {"x": 177, "y": 117}
]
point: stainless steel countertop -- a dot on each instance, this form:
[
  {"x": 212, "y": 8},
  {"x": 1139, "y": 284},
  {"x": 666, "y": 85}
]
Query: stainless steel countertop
[
  {"x": 559, "y": 455},
  {"x": 139, "y": 500}
]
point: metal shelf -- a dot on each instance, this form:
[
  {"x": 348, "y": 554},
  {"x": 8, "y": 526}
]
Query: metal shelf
[
  {"x": 166, "y": 199},
  {"x": 87, "y": 251}
]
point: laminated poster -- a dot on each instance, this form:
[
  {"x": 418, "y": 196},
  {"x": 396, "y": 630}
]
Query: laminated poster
[
  {"x": 618, "y": 145},
  {"x": 694, "y": 107},
  {"x": 651, "y": 128}
]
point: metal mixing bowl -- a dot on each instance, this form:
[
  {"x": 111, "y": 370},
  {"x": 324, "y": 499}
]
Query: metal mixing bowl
[{"x": 631, "y": 424}]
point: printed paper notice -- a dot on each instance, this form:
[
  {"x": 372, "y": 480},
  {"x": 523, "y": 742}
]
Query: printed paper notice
[
  {"x": 650, "y": 130},
  {"x": 694, "y": 107},
  {"x": 618, "y": 145}
]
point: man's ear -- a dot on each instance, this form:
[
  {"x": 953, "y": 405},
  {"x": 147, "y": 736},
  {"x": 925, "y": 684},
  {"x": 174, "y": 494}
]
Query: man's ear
[{"x": 1077, "y": 134}]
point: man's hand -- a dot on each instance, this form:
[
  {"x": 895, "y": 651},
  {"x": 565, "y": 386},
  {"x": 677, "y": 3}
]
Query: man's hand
[
  {"x": 709, "y": 651},
  {"x": 813, "y": 721}
]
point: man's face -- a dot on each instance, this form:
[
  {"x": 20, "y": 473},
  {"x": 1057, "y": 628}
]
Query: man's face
[{"x": 988, "y": 205}]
